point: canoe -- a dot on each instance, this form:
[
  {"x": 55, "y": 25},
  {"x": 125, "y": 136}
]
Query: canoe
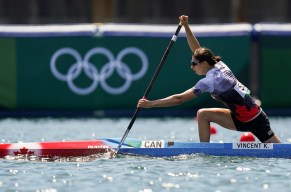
[{"x": 153, "y": 148}]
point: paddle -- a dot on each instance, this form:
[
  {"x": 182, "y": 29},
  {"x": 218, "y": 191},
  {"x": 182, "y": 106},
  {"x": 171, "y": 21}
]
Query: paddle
[{"x": 174, "y": 38}]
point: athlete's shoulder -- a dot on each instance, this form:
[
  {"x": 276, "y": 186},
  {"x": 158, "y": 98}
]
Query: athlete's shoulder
[
  {"x": 205, "y": 84},
  {"x": 221, "y": 65}
]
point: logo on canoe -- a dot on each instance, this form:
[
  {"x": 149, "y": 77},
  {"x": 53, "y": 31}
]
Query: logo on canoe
[
  {"x": 98, "y": 147},
  {"x": 152, "y": 144},
  {"x": 23, "y": 151}
]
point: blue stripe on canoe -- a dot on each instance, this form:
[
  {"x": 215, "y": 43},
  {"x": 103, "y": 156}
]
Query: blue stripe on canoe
[{"x": 173, "y": 148}]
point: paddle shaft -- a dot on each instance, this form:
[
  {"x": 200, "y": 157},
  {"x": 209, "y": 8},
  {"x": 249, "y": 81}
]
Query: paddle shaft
[{"x": 174, "y": 38}]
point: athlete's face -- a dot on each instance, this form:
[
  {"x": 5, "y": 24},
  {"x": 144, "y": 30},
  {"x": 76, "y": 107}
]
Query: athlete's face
[{"x": 197, "y": 66}]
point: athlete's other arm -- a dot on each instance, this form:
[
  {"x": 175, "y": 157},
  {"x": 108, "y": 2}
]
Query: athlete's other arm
[
  {"x": 192, "y": 41},
  {"x": 169, "y": 101}
]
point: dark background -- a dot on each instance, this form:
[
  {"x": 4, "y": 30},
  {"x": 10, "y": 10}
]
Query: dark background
[{"x": 143, "y": 11}]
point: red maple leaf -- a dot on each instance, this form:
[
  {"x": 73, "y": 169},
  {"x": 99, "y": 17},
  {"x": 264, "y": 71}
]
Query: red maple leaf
[{"x": 23, "y": 151}]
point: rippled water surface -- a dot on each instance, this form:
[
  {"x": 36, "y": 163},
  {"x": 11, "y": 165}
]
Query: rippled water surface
[{"x": 132, "y": 173}]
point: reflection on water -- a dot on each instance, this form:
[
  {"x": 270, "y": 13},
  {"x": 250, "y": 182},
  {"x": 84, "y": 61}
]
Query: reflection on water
[
  {"x": 101, "y": 156},
  {"x": 89, "y": 158}
]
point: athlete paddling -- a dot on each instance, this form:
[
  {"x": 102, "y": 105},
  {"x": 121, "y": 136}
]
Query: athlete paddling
[{"x": 243, "y": 114}]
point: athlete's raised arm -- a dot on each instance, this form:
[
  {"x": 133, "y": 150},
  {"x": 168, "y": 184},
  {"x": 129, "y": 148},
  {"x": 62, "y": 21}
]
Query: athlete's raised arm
[{"x": 192, "y": 41}]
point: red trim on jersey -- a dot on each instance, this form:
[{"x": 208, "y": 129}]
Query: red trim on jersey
[{"x": 245, "y": 115}]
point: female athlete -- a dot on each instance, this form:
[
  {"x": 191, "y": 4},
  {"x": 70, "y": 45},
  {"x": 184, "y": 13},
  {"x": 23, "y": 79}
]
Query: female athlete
[{"x": 242, "y": 113}]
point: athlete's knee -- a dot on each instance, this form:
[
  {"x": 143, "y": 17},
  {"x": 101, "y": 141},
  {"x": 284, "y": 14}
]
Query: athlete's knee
[{"x": 202, "y": 114}]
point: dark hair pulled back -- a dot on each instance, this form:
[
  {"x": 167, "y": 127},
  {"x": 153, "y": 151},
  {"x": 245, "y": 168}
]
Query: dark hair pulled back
[{"x": 205, "y": 54}]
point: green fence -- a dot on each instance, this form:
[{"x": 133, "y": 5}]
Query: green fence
[
  {"x": 8, "y": 75},
  {"x": 110, "y": 68},
  {"x": 275, "y": 64}
]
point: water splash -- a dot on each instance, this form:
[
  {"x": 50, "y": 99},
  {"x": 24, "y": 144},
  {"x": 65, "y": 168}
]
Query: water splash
[{"x": 108, "y": 154}]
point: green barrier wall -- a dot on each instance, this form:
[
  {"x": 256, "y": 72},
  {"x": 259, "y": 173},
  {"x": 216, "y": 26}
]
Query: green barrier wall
[
  {"x": 28, "y": 80},
  {"x": 275, "y": 79},
  {"x": 8, "y": 74}
]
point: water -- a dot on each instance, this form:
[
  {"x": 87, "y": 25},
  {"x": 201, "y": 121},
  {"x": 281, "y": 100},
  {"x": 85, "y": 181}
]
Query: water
[{"x": 132, "y": 173}]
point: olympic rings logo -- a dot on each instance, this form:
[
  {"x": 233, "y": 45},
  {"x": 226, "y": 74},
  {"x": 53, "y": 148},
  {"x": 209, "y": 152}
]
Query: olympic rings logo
[{"x": 90, "y": 70}]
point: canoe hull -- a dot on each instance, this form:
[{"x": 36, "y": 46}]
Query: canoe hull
[{"x": 157, "y": 148}]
